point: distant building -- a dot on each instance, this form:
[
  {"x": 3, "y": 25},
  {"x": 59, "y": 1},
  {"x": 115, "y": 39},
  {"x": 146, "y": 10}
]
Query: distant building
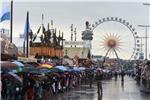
[
  {"x": 97, "y": 57},
  {"x": 81, "y": 52}
]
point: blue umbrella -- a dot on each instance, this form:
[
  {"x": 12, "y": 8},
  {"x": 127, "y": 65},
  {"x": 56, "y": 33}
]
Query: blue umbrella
[
  {"x": 18, "y": 63},
  {"x": 63, "y": 68},
  {"x": 69, "y": 69},
  {"x": 76, "y": 69}
]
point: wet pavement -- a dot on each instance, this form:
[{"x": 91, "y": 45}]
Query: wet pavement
[{"x": 112, "y": 90}]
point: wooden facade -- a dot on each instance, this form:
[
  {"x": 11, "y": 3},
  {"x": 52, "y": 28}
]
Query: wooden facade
[{"x": 46, "y": 50}]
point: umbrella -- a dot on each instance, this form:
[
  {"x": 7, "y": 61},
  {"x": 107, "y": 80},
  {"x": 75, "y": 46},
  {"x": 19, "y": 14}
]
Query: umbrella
[
  {"x": 45, "y": 71},
  {"x": 69, "y": 69},
  {"x": 63, "y": 68},
  {"x": 56, "y": 70},
  {"x": 46, "y": 65},
  {"x": 33, "y": 70},
  {"x": 18, "y": 63},
  {"x": 49, "y": 63},
  {"x": 99, "y": 69},
  {"x": 7, "y": 66},
  {"x": 15, "y": 76},
  {"x": 33, "y": 64},
  {"x": 76, "y": 69},
  {"x": 82, "y": 68},
  {"x": 28, "y": 65},
  {"x": 4, "y": 70},
  {"x": 29, "y": 69}
]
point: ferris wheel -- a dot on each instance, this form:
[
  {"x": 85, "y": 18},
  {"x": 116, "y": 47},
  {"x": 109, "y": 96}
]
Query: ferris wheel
[{"x": 115, "y": 38}]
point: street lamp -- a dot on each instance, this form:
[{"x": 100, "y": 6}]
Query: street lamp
[
  {"x": 146, "y": 37},
  {"x": 147, "y": 4}
]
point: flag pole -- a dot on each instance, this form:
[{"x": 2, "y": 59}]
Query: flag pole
[
  {"x": 24, "y": 50},
  {"x": 27, "y": 54},
  {"x": 42, "y": 24},
  {"x": 11, "y": 22}
]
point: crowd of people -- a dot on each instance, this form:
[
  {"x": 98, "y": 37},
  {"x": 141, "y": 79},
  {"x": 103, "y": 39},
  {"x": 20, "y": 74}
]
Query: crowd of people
[
  {"x": 142, "y": 74},
  {"x": 44, "y": 83},
  {"x": 41, "y": 83}
]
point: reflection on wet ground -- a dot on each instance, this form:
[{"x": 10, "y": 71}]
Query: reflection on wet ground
[{"x": 112, "y": 90}]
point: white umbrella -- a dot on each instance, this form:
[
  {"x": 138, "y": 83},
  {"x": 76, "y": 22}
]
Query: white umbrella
[
  {"x": 82, "y": 68},
  {"x": 61, "y": 68},
  {"x": 77, "y": 69}
]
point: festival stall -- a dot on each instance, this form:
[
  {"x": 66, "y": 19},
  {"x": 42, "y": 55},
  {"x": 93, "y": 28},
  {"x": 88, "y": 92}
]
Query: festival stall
[{"x": 145, "y": 78}]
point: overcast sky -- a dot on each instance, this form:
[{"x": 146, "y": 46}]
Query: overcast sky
[{"x": 66, "y": 13}]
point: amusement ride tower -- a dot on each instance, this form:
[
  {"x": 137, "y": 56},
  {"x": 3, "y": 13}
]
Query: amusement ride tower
[{"x": 87, "y": 37}]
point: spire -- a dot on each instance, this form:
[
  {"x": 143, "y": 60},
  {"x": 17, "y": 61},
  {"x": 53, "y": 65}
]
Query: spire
[
  {"x": 71, "y": 33},
  {"x": 55, "y": 30},
  {"x": 42, "y": 19},
  {"x": 62, "y": 39},
  {"x": 43, "y": 28},
  {"x": 48, "y": 26},
  {"x": 59, "y": 33},
  {"x": 75, "y": 33},
  {"x": 59, "y": 38},
  {"x": 52, "y": 24},
  {"x": 48, "y": 34}
]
